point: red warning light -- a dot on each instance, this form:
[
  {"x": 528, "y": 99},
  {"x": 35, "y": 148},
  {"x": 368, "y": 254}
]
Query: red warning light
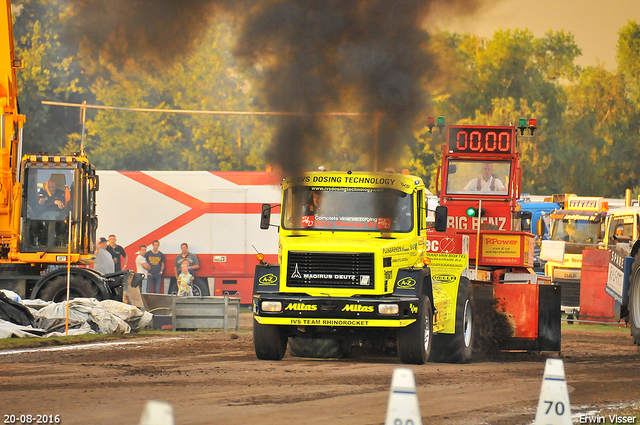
[
  {"x": 431, "y": 122},
  {"x": 532, "y": 122}
]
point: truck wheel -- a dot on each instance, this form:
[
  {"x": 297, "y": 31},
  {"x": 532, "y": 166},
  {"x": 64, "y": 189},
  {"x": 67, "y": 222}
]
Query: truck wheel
[
  {"x": 414, "y": 341},
  {"x": 269, "y": 341},
  {"x": 458, "y": 347},
  {"x": 634, "y": 307},
  {"x": 315, "y": 348},
  {"x": 201, "y": 284},
  {"x": 79, "y": 287}
]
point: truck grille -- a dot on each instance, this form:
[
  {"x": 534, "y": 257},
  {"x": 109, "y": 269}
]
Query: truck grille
[
  {"x": 570, "y": 296},
  {"x": 331, "y": 270}
]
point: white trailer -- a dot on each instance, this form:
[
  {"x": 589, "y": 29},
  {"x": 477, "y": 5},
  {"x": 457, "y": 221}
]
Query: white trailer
[{"x": 216, "y": 213}]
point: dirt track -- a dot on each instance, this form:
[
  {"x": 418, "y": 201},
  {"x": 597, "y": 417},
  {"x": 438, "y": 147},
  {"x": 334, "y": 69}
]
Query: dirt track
[{"x": 214, "y": 378}]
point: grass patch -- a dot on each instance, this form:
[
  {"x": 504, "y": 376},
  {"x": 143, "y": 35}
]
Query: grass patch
[
  {"x": 12, "y": 343},
  {"x": 584, "y": 328}
]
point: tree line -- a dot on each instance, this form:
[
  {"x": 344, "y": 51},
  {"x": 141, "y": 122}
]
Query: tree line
[{"x": 587, "y": 141}]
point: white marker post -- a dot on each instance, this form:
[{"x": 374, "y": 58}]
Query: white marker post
[
  {"x": 157, "y": 413},
  {"x": 554, "y": 407},
  {"x": 403, "y": 407}
]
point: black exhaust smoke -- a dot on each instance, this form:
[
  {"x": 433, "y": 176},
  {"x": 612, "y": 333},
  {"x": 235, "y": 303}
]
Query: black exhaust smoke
[{"x": 364, "y": 56}]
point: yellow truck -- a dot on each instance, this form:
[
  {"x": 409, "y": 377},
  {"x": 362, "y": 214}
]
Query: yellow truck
[{"x": 352, "y": 267}]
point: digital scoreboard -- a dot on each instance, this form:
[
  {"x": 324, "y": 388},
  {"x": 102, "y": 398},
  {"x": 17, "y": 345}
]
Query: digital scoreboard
[{"x": 481, "y": 139}]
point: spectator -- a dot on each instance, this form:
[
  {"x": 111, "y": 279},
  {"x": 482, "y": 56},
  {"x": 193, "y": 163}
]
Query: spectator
[
  {"x": 156, "y": 262},
  {"x": 116, "y": 252},
  {"x": 185, "y": 281},
  {"x": 142, "y": 267},
  {"x": 194, "y": 264},
  {"x": 104, "y": 261}
]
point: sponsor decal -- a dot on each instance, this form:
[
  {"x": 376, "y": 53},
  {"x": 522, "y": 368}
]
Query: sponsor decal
[
  {"x": 358, "y": 308},
  {"x": 504, "y": 246},
  {"x": 443, "y": 245},
  {"x": 365, "y": 280},
  {"x": 462, "y": 222},
  {"x": 445, "y": 277},
  {"x": 301, "y": 307},
  {"x": 384, "y": 223},
  {"x": 585, "y": 203},
  {"x": 308, "y": 220},
  {"x": 414, "y": 309},
  {"x": 406, "y": 283},
  {"x": 268, "y": 279}
]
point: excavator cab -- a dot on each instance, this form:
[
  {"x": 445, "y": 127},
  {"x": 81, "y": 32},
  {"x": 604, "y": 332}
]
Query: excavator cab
[{"x": 58, "y": 192}]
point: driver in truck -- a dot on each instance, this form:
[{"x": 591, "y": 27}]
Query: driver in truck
[
  {"x": 51, "y": 197},
  {"x": 486, "y": 182},
  {"x": 314, "y": 205}
]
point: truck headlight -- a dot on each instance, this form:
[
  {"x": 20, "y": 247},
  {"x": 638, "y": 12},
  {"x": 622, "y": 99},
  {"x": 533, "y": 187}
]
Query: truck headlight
[
  {"x": 272, "y": 306},
  {"x": 388, "y": 308}
]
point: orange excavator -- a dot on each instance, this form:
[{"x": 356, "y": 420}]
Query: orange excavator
[{"x": 47, "y": 206}]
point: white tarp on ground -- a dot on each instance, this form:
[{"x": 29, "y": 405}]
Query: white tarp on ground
[{"x": 86, "y": 315}]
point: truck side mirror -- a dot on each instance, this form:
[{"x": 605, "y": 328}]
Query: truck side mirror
[
  {"x": 265, "y": 216},
  {"x": 525, "y": 220},
  {"x": 540, "y": 230},
  {"x": 441, "y": 219},
  {"x": 94, "y": 183},
  {"x": 600, "y": 232}
]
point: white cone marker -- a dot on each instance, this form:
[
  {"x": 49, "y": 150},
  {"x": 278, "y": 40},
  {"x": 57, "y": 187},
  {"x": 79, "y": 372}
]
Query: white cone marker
[
  {"x": 157, "y": 413},
  {"x": 554, "y": 407},
  {"x": 403, "y": 407}
]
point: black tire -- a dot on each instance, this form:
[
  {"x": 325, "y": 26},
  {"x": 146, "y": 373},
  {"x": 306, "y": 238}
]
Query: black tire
[
  {"x": 458, "y": 347},
  {"x": 316, "y": 348},
  {"x": 79, "y": 287},
  {"x": 415, "y": 340},
  {"x": 173, "y": 286},
  {"x": 634, "y": 306},
  {"x": 269, "y": 341},
  {"x": 570, "y": 319},
  {"x": 200, "y": 284}
]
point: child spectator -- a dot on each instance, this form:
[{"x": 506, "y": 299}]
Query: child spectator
[{"x": 185, "y": 281}]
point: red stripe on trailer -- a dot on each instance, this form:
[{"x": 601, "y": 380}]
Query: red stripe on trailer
[
  {"x": 254, "y": 178},
  {"x": 198, "y": 207}
]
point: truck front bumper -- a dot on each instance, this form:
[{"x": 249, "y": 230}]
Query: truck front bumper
[{"x": 335, "y": 312}]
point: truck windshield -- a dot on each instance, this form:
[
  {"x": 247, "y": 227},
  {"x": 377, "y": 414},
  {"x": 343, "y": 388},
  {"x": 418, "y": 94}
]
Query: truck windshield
[
  {"x": 576, "y": 231},
  {"x": 49, "y": 196},
  {"x": 347, "y": 209},
  {"x": 478, "y": 177}
]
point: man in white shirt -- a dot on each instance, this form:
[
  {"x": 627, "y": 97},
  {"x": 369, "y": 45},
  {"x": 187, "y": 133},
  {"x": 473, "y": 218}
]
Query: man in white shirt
[
  {"x": 142, "y": 266},
  {"x": 104, "y": 261},
  {"x": 487, "y": 182}
]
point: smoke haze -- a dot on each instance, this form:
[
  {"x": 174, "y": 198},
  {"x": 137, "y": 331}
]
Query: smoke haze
[{"x": 312, "y": 56}]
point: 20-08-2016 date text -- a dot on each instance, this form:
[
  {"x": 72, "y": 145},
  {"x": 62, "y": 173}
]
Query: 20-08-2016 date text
[{"x": 31, "y": 419}]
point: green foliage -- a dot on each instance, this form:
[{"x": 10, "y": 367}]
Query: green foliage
[
  {"x": 50, "y": 73},
  {"x": 206, "y": 80},
  {"x": 628, "y": 55}
]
